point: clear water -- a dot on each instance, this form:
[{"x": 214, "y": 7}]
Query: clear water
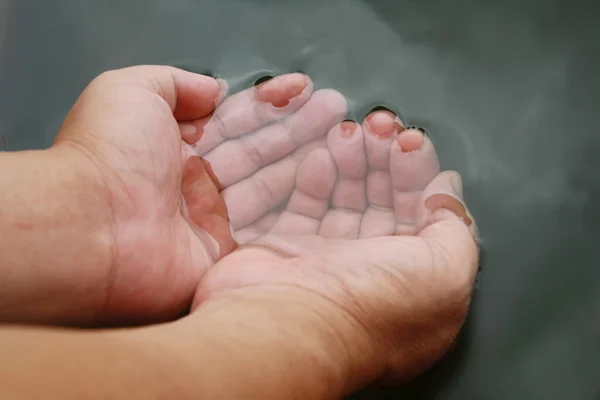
[{"x": 508, "y": 90}]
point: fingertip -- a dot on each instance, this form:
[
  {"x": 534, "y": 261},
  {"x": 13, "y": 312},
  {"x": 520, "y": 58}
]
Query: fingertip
[
  {"x": 440, "y": 203},
  {"x": 190, "y": 133},
  {"x": 410, "y": 140},
  {"x": 335, "y": 100},
  {"x": 348, "y": 128},
  {"x": 281, "y": 91},
  {"x": 443, "y": 200},
  {"x": 196, "y": 95}
]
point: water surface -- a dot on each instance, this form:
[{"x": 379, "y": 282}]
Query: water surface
[{"x": 509, "y": 91}]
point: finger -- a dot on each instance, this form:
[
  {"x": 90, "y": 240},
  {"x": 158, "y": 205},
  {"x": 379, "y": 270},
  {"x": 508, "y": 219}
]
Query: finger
[
  {"x": 252, "y": 108},
  {"x": 189, "y": 95},
  {"x": 187, "y": 151},
  {"x": 413, "y": 164},
  {"x": 259, "y": 228},
  {"x": 256, "y": 196},
  {"x": 237, "y": 159},
  {"x": 447, "y": 226},
  {"x": 381, "y": 128},
  {"x": 443, "y": 200},
  {"x": 346, "y": 144},
  {"x": 310, "y": 200},
  {"x": 204, "y": 207}
]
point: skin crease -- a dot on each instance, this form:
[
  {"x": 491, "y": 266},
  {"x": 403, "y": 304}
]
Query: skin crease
[
  {"x": 372, "y": 289},
  {"x": 145, "y": 189},
  {"x": 277, "y": 260}
]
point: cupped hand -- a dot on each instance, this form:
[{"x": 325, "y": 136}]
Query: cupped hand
[
  {"x": 134, "y": 128},
  {"x": 376, "y": 232},
  {"x": 255, "y": 141}
]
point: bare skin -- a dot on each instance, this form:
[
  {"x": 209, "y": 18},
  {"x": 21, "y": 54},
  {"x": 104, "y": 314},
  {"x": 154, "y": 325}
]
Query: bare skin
[
  {"x": 155, "y": 222},
  {"x": 255, "y": 146},
  {"x": 365, "y": 275},
  {"x": 370, "y": 213}
]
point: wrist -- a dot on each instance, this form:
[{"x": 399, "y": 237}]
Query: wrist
[
  {"x": 74, "y": 364},
  {"x": 55, "y": 238},
  {"x": 274, "y": 343}
]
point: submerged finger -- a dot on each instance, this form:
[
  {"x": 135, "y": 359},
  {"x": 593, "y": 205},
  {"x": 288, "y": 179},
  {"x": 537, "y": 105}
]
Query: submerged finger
[
  {"x": 443, "y": 200},
  {"x": 310, "y": 200},
  {"x": 253, "y": 108},
  {"x": 204, "y": 207},
  {"x": 239, "y": 158},
  {"x": 380, "y": 128},
  {"x": 413, "y": 164},
  {"x": 348, "y": 202}
]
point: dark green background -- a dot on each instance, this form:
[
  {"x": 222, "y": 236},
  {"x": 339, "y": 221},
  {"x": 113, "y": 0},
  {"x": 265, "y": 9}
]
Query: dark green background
[{"x": 509, "y": 90}]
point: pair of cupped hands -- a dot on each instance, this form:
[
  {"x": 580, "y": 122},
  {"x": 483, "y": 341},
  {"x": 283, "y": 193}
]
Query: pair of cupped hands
[{"x": 271, "y": 189}]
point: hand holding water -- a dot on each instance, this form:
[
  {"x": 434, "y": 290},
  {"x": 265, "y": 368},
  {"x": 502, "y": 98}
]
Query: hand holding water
[
  {"x": 368, "y": 229},
  {"x": 356, "y": 256}
]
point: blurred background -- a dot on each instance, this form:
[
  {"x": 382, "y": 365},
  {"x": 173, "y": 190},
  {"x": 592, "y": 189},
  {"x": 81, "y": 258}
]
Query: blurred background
[{"x": 509, "y": 91}]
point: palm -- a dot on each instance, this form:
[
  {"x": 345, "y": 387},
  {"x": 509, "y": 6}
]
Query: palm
[
  {"x": 159, "y": 253},
  {"x": 360, "y": 219},
  {"x": 170, "y": 223}
]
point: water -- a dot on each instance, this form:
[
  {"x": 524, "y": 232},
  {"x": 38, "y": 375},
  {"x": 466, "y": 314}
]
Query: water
[{"x": 507, "y": 89}]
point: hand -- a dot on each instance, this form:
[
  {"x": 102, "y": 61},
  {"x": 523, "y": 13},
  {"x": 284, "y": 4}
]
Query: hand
[
  {"x": 365, "y": 274},
  {"x": 168, "y": 222},
  {"x": 373, "y": 234},
  {"x": 255, "y": 147}
]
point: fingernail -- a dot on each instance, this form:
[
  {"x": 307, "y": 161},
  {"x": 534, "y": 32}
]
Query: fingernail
[
  {"x": 281, "y": 90},
  {"x": 445, "y": 201},
  {"x": 190, "y": 133},
  {"x": 410, "y": 140},
  {"x": 382, "y": 123},
  {"x": 347, "y": 128},
  {"x": 188, "y": 129}
]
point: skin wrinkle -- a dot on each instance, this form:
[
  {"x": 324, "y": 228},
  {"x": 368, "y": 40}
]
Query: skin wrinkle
[
  {"x": 392, "y": 275},
  {"x": 442, "y": 257},
  {"x": 115, "y": 251},
  {"x": 392, "y": 293},
  {"x": 263, "y": 191},
  {"x": 287, "y": 127},
  {"x": 360, "y": 328},
  {"x": 251, "y": 153},
  {"x": 401, "y": 279},
  {"x": 220, "y": 128}
]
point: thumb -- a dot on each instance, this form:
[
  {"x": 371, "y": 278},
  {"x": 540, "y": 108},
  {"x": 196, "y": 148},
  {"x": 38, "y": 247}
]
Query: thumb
[
  {"x": 447, "y": 226},
  {"x": 189, "y": 95},
  {"x": 204, "y": 208}
]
